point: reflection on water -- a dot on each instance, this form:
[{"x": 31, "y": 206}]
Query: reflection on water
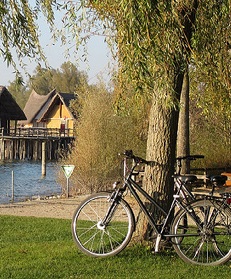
[{"x": 28, "y": 181}]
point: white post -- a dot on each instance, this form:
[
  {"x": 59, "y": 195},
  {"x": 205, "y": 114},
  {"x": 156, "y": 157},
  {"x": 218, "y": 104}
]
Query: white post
[
  {"x": 12, "y": 194},
  {"x": 67, "y": 187},
  {"x": 43, "y": 159}
]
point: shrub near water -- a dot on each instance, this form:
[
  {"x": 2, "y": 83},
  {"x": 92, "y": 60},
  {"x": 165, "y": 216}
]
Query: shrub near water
[{"x": 101, "y": 135}]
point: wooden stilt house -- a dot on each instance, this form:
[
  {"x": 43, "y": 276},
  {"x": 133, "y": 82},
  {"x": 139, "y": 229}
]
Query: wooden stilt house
[
  {"x": 9, "y": 111},
  {"x": 35, "y": 105},
  {"x": 46, "y": 118},
  {"x": 50, "y": 112}
]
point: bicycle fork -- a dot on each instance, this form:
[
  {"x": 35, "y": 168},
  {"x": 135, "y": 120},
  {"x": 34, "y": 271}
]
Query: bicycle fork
[{"x": 113, "y": 199}]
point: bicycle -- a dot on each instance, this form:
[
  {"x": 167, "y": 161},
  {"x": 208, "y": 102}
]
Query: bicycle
[
  {"x": 103, "y": 224},
  {"x": 182, "y": 181}
]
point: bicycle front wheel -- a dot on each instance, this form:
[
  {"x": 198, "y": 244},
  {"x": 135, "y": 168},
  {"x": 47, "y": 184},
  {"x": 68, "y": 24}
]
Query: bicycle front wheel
[
  {"x": 96, "y": 236},
  {"x": 205, "y": 238}
]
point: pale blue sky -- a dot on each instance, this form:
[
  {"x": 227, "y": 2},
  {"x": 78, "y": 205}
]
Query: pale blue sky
[{"x": 100, "y": 62}]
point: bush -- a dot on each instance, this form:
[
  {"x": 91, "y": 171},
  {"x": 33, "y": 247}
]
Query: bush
[
  {"x": 209, "y": 139},
  {"x": 101, "y": 135}
]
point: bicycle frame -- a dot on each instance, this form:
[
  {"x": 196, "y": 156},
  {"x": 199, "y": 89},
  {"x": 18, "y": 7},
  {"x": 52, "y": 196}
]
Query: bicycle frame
[
  {"x": 184, "y": 192},
  {"x": 199, "y": 229},
  {"x": 133, "y": 187},
  {"x": 136, "y": 189}
]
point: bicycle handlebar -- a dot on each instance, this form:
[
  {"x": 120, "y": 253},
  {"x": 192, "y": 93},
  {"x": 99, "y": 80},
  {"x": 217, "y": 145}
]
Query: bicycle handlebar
[
  {"x": 129, "y": 154},
  {"x": 190, "y": 157}
]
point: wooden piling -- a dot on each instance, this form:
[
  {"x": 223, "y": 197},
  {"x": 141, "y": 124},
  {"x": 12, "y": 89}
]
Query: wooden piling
[
  {"x": 24, "y": 145},
  {"x": 43, "y": 158}
]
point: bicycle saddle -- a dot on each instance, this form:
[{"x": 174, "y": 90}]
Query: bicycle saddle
[{"x": 218, "y": 180}]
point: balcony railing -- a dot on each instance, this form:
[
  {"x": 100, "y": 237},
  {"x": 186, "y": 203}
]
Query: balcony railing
[{"x": 36, "y": 132}]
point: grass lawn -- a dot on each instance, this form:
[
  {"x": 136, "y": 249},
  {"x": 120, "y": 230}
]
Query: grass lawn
[{"x": 43, "y": 248}]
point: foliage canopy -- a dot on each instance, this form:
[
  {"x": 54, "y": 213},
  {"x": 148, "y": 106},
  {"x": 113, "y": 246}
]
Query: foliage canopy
[
  {"x": 151, "y": 36},
  {"x": 156, "y": 41}
]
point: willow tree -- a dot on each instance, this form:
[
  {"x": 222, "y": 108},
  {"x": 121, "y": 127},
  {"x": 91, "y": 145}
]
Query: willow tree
[
  {"x": 211, "y": 82},
  {"x": 19, "y": 31},
  {"x": 155, "y": 40}
]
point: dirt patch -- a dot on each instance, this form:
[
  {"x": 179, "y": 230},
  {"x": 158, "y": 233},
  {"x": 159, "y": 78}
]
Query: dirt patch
[
  {"x": 51, "y": 208},
  {"x": 54, "y": 208}
]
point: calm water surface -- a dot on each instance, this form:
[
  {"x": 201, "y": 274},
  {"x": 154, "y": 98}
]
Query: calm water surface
[{"x": 28, "y": 181}]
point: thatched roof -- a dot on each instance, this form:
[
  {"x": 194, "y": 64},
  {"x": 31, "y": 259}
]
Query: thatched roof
[
  {"x": 38, "y": 106},
  {"x": 64, "y": 98},
  {"x": 9, "y": 109},
  {"x": 34, "y": 104}
]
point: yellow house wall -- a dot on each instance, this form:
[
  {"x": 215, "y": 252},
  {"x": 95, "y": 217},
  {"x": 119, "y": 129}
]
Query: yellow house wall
[{"x": 55, "y": 117}]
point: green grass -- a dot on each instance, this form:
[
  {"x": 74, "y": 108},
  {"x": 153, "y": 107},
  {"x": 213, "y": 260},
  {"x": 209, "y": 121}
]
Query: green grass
[{"x": 43, "y": 248}]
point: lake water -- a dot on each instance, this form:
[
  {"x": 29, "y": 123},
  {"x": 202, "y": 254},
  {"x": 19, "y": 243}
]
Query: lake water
[{"x": 28, "y": 181}]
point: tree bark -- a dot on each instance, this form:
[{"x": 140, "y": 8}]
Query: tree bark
[
  {"x": 161, "y": 146},
  {"x": 163, "y": 126},
  {"x": 183, "y": 148}
]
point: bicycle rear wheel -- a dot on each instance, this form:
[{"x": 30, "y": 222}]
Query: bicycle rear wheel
[
  {"x": 96, "y": 236},
  {"x": 205, "y": 238}
]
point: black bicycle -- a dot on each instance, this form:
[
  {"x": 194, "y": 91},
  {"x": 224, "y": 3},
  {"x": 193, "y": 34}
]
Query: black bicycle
[
  {"x": 200, "y": 231},
  {"x": 184, "y": 182}
]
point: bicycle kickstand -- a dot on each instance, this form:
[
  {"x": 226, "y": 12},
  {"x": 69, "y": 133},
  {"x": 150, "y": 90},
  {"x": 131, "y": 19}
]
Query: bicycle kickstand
[{"x": 158, "y": 239}]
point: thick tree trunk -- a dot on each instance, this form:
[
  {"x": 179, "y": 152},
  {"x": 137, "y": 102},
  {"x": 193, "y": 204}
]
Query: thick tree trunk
[
  {"x": 161, "y": 147},
  {"x": 183, "y": 147}
]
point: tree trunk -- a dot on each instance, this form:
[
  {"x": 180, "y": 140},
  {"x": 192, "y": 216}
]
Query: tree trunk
[
  {"x": 183, "y": 148},
  {"x": 161, "y": 146}
]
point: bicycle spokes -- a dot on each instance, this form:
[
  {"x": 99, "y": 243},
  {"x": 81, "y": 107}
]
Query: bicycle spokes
[{"x": 208, "y": 243}]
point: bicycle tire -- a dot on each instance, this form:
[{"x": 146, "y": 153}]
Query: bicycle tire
[
  {"x": 206, "y": 238},
  {"x": 98, "y": 240}
]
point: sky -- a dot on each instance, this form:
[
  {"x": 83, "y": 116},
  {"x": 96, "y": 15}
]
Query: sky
[
  {"x": 99, "y": 60},
  {"x": 98, "y": 64}
]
